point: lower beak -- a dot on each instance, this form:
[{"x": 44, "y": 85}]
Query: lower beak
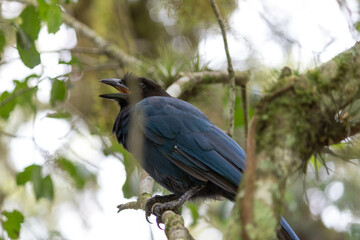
[{"x": 115, "y": 96}]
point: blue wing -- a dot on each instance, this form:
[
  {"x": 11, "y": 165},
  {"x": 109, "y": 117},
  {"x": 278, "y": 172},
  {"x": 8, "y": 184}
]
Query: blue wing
[{"x": 186, "y": 137}]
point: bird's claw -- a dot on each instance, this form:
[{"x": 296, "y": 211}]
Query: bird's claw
[
  {"x": 154, "y": 208},
  {"x": 158, "y": 211}
]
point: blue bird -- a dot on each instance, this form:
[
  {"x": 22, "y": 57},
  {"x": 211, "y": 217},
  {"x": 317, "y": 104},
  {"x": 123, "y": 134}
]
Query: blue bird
[{"x": 178, "y": 146}]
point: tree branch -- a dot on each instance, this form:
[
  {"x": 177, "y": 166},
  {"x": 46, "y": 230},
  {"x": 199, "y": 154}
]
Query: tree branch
[
  {"x": 110, "y": 49},
  {"x": 189, "y": 81},
  {"x": 230, "y": 68}
]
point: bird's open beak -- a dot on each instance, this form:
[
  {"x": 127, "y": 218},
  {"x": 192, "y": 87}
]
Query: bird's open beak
[
  {"x": 116, "y": 83},
  {"x": 115, "y": 96}
]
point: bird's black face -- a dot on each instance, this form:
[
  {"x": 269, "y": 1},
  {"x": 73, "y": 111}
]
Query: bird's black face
[{"x": 139, "y": 87}]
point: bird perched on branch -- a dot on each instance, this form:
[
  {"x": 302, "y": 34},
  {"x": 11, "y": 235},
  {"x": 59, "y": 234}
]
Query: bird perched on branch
[{"x": 178, "y": 146}]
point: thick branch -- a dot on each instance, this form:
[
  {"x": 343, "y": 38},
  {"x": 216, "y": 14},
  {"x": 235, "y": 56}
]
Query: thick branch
[{"x": 230, "y": 67}]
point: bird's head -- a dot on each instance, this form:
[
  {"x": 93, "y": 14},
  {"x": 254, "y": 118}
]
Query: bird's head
[{"x": 131, "y": 87}]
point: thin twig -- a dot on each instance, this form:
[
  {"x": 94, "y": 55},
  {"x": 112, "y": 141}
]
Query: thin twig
[{"x": 230, "y": 68}]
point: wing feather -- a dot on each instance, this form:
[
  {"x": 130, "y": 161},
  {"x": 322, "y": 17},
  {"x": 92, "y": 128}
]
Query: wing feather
[{"x": 185, "y": 136}]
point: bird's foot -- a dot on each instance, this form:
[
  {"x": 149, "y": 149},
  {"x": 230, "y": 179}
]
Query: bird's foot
[
  {"x": 158, "y": 210},
  {"x": 157, "y": 205}
]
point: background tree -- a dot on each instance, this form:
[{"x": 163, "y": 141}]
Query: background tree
[{"x": 57, "y": 151}]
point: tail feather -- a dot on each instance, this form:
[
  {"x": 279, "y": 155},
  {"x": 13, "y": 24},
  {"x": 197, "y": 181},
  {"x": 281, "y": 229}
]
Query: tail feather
[{"x": 286, "y": 232}]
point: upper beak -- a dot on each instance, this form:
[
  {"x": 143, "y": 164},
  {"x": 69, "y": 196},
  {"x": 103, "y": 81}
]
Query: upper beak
[{"x": 116, "y": 83}]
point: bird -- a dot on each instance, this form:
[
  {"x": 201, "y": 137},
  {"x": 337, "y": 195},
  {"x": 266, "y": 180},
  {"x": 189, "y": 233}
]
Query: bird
[{"x": 178, "y": 146}]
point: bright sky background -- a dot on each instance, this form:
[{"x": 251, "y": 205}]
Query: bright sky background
[{"x": 312, "y": 22}]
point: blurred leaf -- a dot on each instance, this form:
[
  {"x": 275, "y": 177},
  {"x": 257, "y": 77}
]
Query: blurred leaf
[
  {"x": 24, "y": 94},
  {"x": 21, "y": 95},
  {"x": 77, "y": 172},
  {"x": 73, "y": 61},
  {"x": 2, "y": 40},
  {"x": 47, "y": 189},
  {"x": 355, "y": 231},
  {"x": 12, "y": 224},
  {"x": 357, "y": 26},
  {"x": 43, "y": 187},
  {"x": 58, "y": 92},
  {"x": 43, "y": 8},
  {"x": 58, "y": 115},
  {"x": 27, "y": 50},
  {"x": 54, "y": 18},
  {"x": 29, "y": 173},
  {"x": 131, "y": 185},
  {"x": 8, "y": 107},
  {"x": 194, "y": 209},
  {"x": 30, "y": 22},
  {"x": 239, "y": 112}
]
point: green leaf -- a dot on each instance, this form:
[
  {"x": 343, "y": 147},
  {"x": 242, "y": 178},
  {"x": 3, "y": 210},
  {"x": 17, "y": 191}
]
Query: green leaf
[
  {"x": 43, "y": 9},
  {"x": 79, "y": 174},
  {"x": 30, "y": 173},
  {"x": 73, "y": 61},
  {"x": 43, "y": 187},
  {"x": 8, "y": 107},
  {"x": 2, "y": 40},
  {"x": 47, "y": 189},
  {"x": 357, "y": 26},
  {"x": 58, "y": 92},
  {"x": 12, "y": 224},
  {"x": 131, "y": 185},
  {"x": 30, "y": 22},
  {"x": 54, "y": 18},
  {"x": 194, "y": 209},
  {"x": 27, "y": 50}
]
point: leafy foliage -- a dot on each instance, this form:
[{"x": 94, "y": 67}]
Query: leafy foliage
[
  {"x": 78, "y": 173},
  {"x": 58, "y": 92},
  {"x": 2, "y": 41},
  {"x": 42, "y": 186},
  {"x": 54, "y": 18},
  {"x": 30, "y": 22},
  {"x": 27, "y": 34},
  {"x": 12, "y": 224},
  {"x": 27, "y": 50},
  {"x": 21, "y": 95}
]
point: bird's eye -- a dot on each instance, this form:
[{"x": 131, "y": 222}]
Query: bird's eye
[{"x": 142, "y": 85}]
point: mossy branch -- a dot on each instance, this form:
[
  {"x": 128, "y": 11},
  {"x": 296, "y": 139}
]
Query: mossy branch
[{"x": 298, "y": 117}]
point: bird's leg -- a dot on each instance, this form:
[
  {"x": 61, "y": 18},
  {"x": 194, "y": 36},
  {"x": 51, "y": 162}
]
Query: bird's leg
[{"x": 158, "y": 208}]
